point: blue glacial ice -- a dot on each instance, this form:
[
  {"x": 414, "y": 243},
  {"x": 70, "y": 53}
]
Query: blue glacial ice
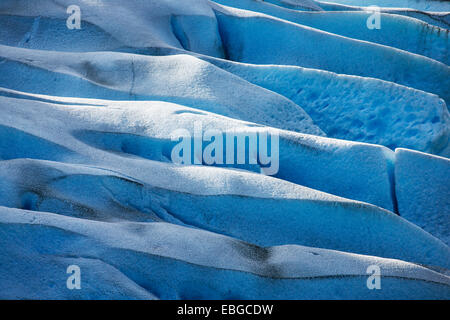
[
  {"x": 87, "y": 175},
  {"x": 423, "y": 190}
]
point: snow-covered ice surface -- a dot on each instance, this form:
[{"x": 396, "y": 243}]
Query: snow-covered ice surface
[
  {"x": 439, "y": 16},
  {"x": 425, "y": 5},
  {"x": 86, "y": 138}
]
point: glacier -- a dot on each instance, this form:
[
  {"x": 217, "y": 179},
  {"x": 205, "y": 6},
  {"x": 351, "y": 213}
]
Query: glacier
[{"x": 362, "y": 127}]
